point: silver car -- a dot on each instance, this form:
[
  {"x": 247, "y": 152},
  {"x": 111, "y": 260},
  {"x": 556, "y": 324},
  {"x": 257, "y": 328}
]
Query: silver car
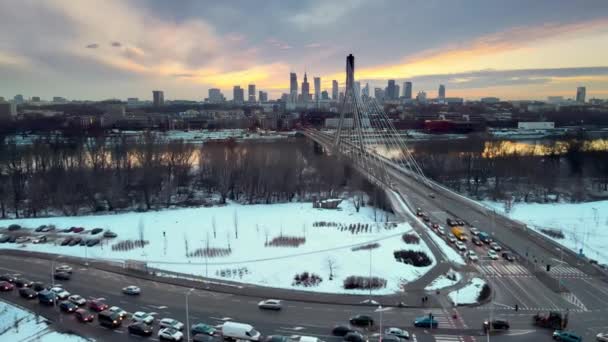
[
  {"x": 397, "y": 332},
  {"x": 270, "y": 304}
]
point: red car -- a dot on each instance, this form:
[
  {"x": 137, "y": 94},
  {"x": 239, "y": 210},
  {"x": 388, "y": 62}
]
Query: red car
[
  {"x": 84, "y": 316},
  {"x": 5, "y": 286},
  {"x": 97, "y": 305},
  {"x": 77, "y": 229}
]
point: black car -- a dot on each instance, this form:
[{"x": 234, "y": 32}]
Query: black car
[
  {"x": 140, "y": 328},
  {"x": 96, "y": 231},
  {"x": 67, "y": 306},
  {"x": 341, "y": 330},
  {"x": 476, "y": 241},
  {"x": 498, "y": 324},
  {"x": 20, "y": 282},
  {"x": 362, "y": 321},
  {"x": 508, "y": 256},
  {"x": 92, "y": 242},
  {"x": 40, "y": 228},
  {"x": 62, "y": 276},
  {"x": 354, "y": 336},
  {"x": 13, "y": 227},
  {"x": 8, "y": 277},
  {"x": 109, "y": 234},
  {"x": 75, "y": 240},
  {"x": 12, "y": 239},
  {"x": 66, "y": 241},
  {"x": 27, "y": 293},
  {"x": 5, "y": 238},
  {"x": 38, "y": 286}
]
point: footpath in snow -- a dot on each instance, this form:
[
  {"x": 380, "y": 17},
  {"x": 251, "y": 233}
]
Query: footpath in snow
[
  {"x": 467, "y": 294},
  {"x": 582, "y": 225},
  {"x": 265, "y": 245},
  {"x": 17, "y": 324}
]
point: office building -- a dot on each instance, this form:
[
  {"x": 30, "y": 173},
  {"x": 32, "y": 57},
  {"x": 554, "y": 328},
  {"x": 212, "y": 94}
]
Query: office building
[
  {"x": 350, "y": 72},
  {"x": 317, "y": 81},
  {"x": 390, "y": 90},
  {"x": 251, "y": 93},
  {"x": 397, "y": 90},
  {"x": 379, "y": 94},
  {"x": 334, "y": 90},
  {"x": 18, "y": 99},
  {"x": 441, "y": 92},
  {"x": 358, "y": 88},
  {"x": 324, "y": 95},
  {"x": 158, "y": 98},
  {"x": 238, "y": 94},
  {"x": 59, "y": 99},
  {"x": 365, "y": 90},
  {"x": 581, "y": 92},
  {"x": 35, "y": 98},
  {"x": 407, "y": 90},
  {"x": 305, "y": 89},
  {"x": 421, "y": 97},
  {"x": 293, "y": 86},
  {"x": 263, "y": 96},
  {"x": 490, "y": 100},
  {"x": 215, "y": 96},
  {"x": 7, "y": 110}
]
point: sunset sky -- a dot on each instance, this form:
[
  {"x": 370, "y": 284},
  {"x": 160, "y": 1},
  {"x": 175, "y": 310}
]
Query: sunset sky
[{"x": 117, "y": 49}]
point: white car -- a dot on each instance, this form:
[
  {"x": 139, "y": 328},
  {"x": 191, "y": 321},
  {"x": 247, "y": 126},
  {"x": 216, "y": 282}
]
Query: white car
[
  {"x": 492, "y": 255},
  {"x": 495, "y": 246},
  {"x": 131, "y": 290},
  {"x": 472, "y": 256},
  {"x": 270, "y": 304},
  {"x": 602, "y": 337},
  {"x": 141, "y": 316},
  {"x": 474, "y": 231},
  {"x": 398, "y": 332},
  {"x": 171, "y": 323},
  {"x": 40, "y": 239},
  {"x": 451, "y": 238},
  {"x": 115, "y": 309},
  {"x": 60, "y": 292},
  {"x": 460, "y": 246},
  {"x": 76, "y": 299},
  {"x": 63, "y": 268},
  {"x": 170, "y": 334},
  {"x": 441, "y": 231}
]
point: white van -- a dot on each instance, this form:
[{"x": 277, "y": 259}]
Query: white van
[
  {"x": 309, "y": 339},
  {"x": 239, "y": 331}
]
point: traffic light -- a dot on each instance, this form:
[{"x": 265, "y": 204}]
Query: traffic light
[{"x": 548, "y": 268}]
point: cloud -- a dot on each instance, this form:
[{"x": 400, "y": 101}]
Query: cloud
[
  {"x": 92, "y": 46},
  {"x": 278, "y": 44},
  {"x": 313, "y": 45},
  {"x": 323, "y": 13},
  {"x": 116, "y": 44}
]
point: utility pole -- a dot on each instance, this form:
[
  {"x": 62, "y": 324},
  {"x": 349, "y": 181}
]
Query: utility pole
[{"x": 188, "y": 315}]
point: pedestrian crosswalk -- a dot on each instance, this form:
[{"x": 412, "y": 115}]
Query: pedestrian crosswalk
[
  {"x": 566, "y": 271},
  {"x": 512, "y": 311},
  {"x": 448, "y": 338},
  {"x": 572, "y": 298},
  {"x": 444, "y": 320},
  {"x": 516, "y": 270}
]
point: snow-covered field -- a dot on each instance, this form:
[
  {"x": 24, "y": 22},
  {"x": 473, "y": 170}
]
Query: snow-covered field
[
  {"x": 172, "y": 234},
  {"x": 17, "y": 324},
  {"x": 467, "y": 294},
  {"x": 444, "y": 281},
  {"x": 584, "y": 225}
]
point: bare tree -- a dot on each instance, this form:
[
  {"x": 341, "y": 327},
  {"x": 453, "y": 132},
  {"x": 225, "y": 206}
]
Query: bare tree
[
  {"x": 331, "y": 266},
  {"x": 236, "y": 225},
  {"x": 213, "y": 225}
]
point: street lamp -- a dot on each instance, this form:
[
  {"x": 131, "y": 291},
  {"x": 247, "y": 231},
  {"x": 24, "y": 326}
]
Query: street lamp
[
  {"x": 380, "y": 309},
  {"x": 188, "y": 315}
]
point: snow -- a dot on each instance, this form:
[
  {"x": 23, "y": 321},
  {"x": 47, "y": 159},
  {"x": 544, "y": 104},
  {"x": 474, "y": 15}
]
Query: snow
[
  {"x": 584, "y": 225},
  {"x": 443, "y": 281},
  {"x": 450, "y": 253},
  {"x": 190, "y": 229},
  {"x": 467, "y": 294},
  {"x": 17, "y": 324}
]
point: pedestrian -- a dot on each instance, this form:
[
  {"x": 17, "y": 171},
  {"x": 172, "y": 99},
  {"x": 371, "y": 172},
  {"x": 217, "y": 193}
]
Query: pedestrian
[{"x": 516, "y": 307}]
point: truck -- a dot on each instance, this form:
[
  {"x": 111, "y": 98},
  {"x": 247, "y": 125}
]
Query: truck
[
  {"x": 484, "y": 237},
  {"x": 459, "y": 233},
  {"x": 551, "y": 320}
]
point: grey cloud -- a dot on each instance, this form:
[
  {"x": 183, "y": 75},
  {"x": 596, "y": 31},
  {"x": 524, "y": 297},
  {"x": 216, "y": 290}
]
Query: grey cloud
[
  {"x": 92, "y": 46},
  {"x": 116, "y": 44}
]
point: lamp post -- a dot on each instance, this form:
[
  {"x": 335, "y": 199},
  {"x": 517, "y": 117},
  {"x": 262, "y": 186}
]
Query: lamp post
[
  {"x": 188, "y": 315},
  {"x": 380, "y": 309}
]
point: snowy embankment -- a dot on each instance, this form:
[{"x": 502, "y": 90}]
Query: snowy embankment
[
  {"x": 583, "y": 225},
  {"x": 17, "y": 324},
  {"x": 468, "y": 294},
  {"x": 445, "y": 280},
  {"x": 258, "y": 244}
]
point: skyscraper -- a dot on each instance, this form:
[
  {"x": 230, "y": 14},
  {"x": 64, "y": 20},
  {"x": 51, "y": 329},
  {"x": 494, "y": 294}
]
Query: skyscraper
[
  {"x": 390, "y": 90},
  {"x": 379, "y": 94},
  {"x": 397, "y": 89},
  {"x": 158, "y": 98},
  {"x": 324, "y": 95},
  {"x": 251, "y": 93},
  {"x": 365, "y": 90},
  {"x": 263, "y": 96},
  {"x": 18, "y": 99},
  {"x": 317, "y": 89},
  {"x": 293, "y": 86},
  {"x": 238, "y": 94},
  {"x": 441, "y": 92},
  {"x": 215, "y": 96},
  {"x": 305, "y": 89},
  {"x": 421, "y": 97},
  {"x": 350, "y": 72},
  {"x": 581, "y": 92},
  {"x": 407, "y": 90},
  {"x": 358, "y": 88},
  {"x": 334, "y": 90}
]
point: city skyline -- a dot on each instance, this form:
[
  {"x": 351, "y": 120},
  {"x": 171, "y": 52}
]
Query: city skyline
[{"x": 188, "y": 48}]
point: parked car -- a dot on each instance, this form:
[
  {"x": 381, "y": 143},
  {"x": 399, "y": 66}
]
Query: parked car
[
  {"x": 131, "y": 290},
  {"x": 341, "y": 330},
  {"x": 391, "y": 338},
  {"x": 495, "y": 246},
  {"x": 354, "y": 336},
  {"x": 508, "y": 256},
  {"x": 5, "y": 238},
  {"x": 40, "y": 239},
  {"x": 75, "y": 240},
  {"x": 76, "y": 299},
  {"x": 95, "y": 231},
  {"x": 425, "y": 322},
  {"x": 40, "y": 228},
  {"x": 140, "y": 329},
  {"x": 60, "y": 292},
  {"x": 109, "y": 234},
  {"x": 170, "y": 334},
  {"x": 141, "y": 316},
  {"x": 67, "y": 306},
  {"x": 205, "y": 338},
  {"x": 492, "y": 255},
  {"x": 27, "y": 293},
  {"x": 77, "y": 229},
  {"x": 5, "y": 286},
  {"x": 270, "y": 304},
  {"x": 12, "y": 239},
  {"x": 97, "y": 305},
  {"x": 84, "y": 316},
  {"x": 204, "y": 329},
  {"x": 92, "y": 242},
  {"x": 23, "y": 239},
  {"x": 397, "y": 332},
  {"x": 566, "y": 336},
  {"x": 171, "y": 323},
  {"x": 120, "y": 312},
  {"x": 276, "y": 338},
  {"x": 47, "y": 229},
  {"x": 66, "y": 241},
  {"x": 602, "y": 337},
  {"x": 362, "y": 320},
  {"x": 62, "y": 276},
  {"x": 64, "y": 268},
  {"x": 472, "y": 256},
  {"x": 14, "y": 227}
]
